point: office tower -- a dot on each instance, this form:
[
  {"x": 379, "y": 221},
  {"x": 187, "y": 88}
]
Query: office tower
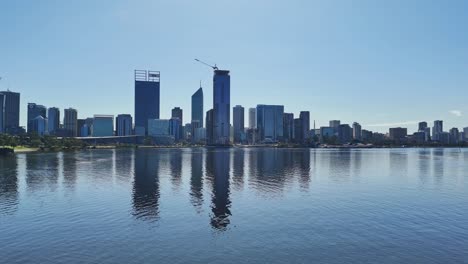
[
  {"x": 35, "y": 110},
  {"x": 305, "y": 126},
  {"x": 123, "y": 125},
  {"x": 79, "y": 124},
  {"x": 188, "y": 131},
  {"x": 103, "y": 126},
  {"x": 465, "y": 132},
  {"x": 297, "y": 130},
  {"x": 9, "y": 112},
  {"x": 89, "y": 124},
  {"x": 366, "y": 135},
  {"x": 270, "y": 122},
  {"x": 221, "y": 107},
  {"x": 70, "y": 122},
  {"x": 177, "y": 113},
  {"x": 357, "y": 131},
  {"x": 147, "y": 89},
  {"x": 252, "y": 117},
  {"x": 288, "y": 127},
  {"x": 194, "y": 126},
  {"x": 53, "y": 116},
  {"x": 398, "y": 133},
  {"x": 427, "y": 134},
  {"x": 422, "y": 126},
  {"x": 345, "y": 133},
  {"x": 238, "y": 123},
  {"x": 335, "y": 123},
  {"x": 39, "y": 125},
  {"x": 175, "y": 128},
  {"x": 454, "y": 135},
  {"x": 158, "y": 127},
  {"x": 209, "y": 127},
  {"x": 197, "y": 106},
  {"x": 437, "y": 129}
]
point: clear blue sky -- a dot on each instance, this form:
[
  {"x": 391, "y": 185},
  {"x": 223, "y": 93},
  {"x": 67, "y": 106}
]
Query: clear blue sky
[{"x": 375, "y": 62}]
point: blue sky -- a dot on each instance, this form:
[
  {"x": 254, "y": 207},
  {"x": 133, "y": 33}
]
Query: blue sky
[{"x": 381, "y": 63}]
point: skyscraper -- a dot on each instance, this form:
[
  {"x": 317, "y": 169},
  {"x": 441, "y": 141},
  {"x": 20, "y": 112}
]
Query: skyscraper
[
  {"x": 35, "y": 110},
  {"x": 437, "y": 129},
  {"x": 221, "y": 107},
  {"x": 39, "y": 125},
  {"x": 357, "y": 131},
  {"x": 252, "y": 116},
  {"x": 209, "y": 127},
  {"x": 305, "y": 126},
  {"x": 345, "y": 133},
  {"x": 197, "y": 106},
  {"x": 288, "y": 127},
  {"x": 53, "y": 116},
  {"x": 147, "y": 89},
  {"x": 422, "y": 126},
  {"x": 238, "y": 123},
  {"x": 270, "y": 122},
  {"x": 9, "y": 111},
  {"x": 70, "y": 122},
  {"x": 123, "y": 125}
]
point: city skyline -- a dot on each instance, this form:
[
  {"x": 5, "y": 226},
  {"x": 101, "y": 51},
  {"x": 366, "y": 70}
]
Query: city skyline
[{"x": 328, "y": 59}]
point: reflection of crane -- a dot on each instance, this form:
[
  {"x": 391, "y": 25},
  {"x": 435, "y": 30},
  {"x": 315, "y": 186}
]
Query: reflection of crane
[{"x": 214, "y": 67}]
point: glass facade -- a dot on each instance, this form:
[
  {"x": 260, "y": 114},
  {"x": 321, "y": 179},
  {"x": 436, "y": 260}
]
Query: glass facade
[
  {"x": 53, "y": 115},
  {"x": 221, "y": 107},
  {"x": 270, "y": 122},
  {"x": 147, "y": 100},
  {"x": 197, "y": 106},
  {"x": 103, "y": 126}
]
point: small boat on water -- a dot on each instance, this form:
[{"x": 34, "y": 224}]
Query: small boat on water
[{"x": 6, "y": 151}]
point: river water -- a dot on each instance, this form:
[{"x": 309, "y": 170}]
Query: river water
[{"x": 235, "y": 205}]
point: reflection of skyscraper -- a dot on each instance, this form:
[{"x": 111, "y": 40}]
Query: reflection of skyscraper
[
  {"x": 8, "y": 185},
  {"x": 220, "y": 198},
  {"x": 238, "y": 168},
  {"x": 146, "y": 185},
  {"x": 147, "y": 99},
  {"x": 175, "y": 162},
  {"x": 42, "y": 171},
  {"x": 196, "y": 180}
]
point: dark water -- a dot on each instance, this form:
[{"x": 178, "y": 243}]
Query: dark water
[{"x": 235, "y": 206}]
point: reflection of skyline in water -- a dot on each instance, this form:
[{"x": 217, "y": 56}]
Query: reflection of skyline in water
[
  {"x": 146, "y": 185},
  {"x": 8, "y": 185},
  {"x": 219, "y": 173},
  {"x": 196, "y": 179},
  {"x": 42, "y": 171}
]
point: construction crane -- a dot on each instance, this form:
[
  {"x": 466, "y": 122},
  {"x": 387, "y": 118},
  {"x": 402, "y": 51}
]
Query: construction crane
[{"x": 202, "y": 62}]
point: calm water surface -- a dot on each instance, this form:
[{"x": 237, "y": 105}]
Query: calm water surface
[{"x": 235, "y": 206}]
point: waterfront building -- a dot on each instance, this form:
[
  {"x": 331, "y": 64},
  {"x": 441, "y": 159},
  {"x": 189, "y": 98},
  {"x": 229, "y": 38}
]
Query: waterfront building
[
  {"x": 178, "y": 113},
  {"x": 357, "y": 131},
  {"x": 221, "y": 107},
  {"x": 270, "y": 122},
  {"x": 238, "y": 123},
  {"x": 197, "y": 106},
  {"x": 366, "y": 135},
  {"x": 437, "y": 129},
  {"x": 35, "y": 110},
  {"x": 252, "y": 117},
  {"x": 147, "y": 99},
  {"x": 398, "y": 133},
  {"x": 422, "y": 126},
  {"x": 454, "y": 135},
  {"x": 465, "y": 132},
  {"x": 53, "y": 116},
  {"x": 209, "y": 127},
  {"x": 70, "y": 122},
  {"x": 345, "y": 133},
  {"x": 103, "y": 126},
  {"x": 80, "y": 123},
  {"x": 304, "y": 116},
  {"x": 158, "y": 127},
  {"x": 288, "y": 127},
  {"x": 123, "y": 125},
  {"x": 9, "y": 112},
  {"x": 39, "y": 125},
  {"x": 175, "y": 128}
]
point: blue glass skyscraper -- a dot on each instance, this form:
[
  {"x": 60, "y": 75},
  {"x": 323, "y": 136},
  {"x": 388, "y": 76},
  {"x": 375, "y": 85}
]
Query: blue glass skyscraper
[
  {"x": 147, "y": 100},
  {"x": 270, "y": 122},
  {"x": 221, "y": 107},
  {"x": 197, "y": 107}
]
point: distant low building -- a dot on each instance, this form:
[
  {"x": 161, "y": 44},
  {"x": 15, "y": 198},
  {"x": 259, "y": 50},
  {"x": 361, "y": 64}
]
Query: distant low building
[
  {"x": 398, "y": 133},
  {"x": 103, "y": 126}
]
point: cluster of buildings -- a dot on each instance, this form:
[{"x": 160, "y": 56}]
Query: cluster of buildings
[{"x": 265, "y": 124}]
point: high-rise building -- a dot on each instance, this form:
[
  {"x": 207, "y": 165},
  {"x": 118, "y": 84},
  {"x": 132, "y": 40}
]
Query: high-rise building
[
  {"x": 221, "y": 107},
  {"x": 177, "y": 113},
  {"x": 209, "y": 127},
  {"x": 270, "y": 122},
  {"x": 175, "y": 128},
  {"x": 197, "y": 106},
  {"x": 147, "y": 99},
  {"x": 437, "y": 129},
  {"x": 9, "y": 112},
  {"x": 345, "y": 133},
  {"x": 123, "y": 125},
  {"x": 39, "y": 125},
  {"x": 357, "y": 131},
  {"x": 252, "y": 117},
  {"x": 53, "y": 116},
  {"x": 335, "y": 123},
  {"x": 422, "y": 126},
  {"x": 35, "y": 110},
  {"x": 70, "y": 122},
  {"x": 398, "y": 133},
  {"x": 79, "y": 131},
  {"x": 305, "y": 126},
  {"x": 103, "y": 126},
  {"x": 238, "y": 123},
  {"x": 288, "y": 127},
  {"x": 297, "y": 128},
  {"x": 454, "y": 135},
  {"x": 465, "y": 132}
]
